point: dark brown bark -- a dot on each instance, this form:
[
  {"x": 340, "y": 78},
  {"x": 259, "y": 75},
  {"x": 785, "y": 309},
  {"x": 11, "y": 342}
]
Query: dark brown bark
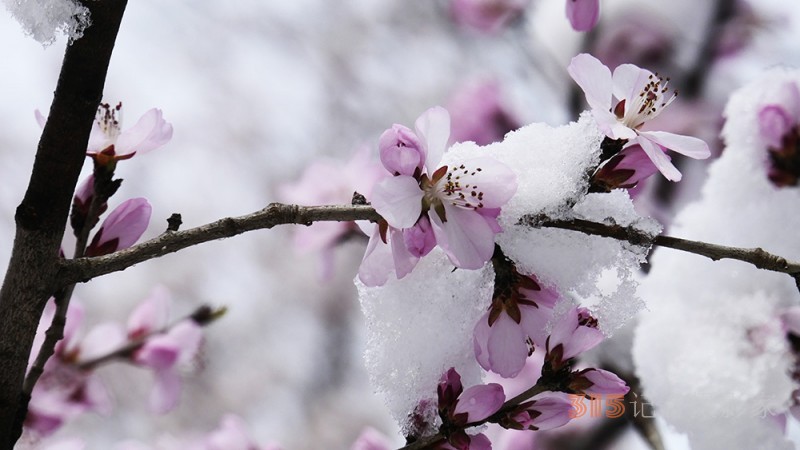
[{"x": 42, "y": 216}]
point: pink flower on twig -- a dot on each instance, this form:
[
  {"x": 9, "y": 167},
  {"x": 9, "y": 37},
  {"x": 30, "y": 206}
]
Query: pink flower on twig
[{"x": 623, "y": 103}]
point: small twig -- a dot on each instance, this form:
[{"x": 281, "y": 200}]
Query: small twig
[
  {"x": 755, "y": 256},
  {"x": 84, "y": 269}
]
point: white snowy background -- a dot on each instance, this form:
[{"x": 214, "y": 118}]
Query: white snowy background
[{"x": 255, "y": 92}]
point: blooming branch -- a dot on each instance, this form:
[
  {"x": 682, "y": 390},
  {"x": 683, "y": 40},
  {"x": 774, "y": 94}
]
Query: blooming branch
[{"x": 84, "y": 269}]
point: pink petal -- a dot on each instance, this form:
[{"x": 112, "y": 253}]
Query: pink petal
[
  {"x": 102, "y": 340},
  {"x": 150, "y": 132},
  {"x": 40, "y": 119},
  {"x": 230, "y": 435},
  {"x": 98, "y": 141},
  {"x": 398, "y": 200},
  {"x": 480, "y": 341},
  {"x": 166, "y": 391},
  {"x": 686, "y": 145},
  {"x": 479, "y": 442},
  {"x": 371, "y": 439},
  {"x": 507, "y": 347},
  {"x": 159, "y": 352},
  {"x": 582, "y": 339},
  {"x": 404, "y": 261},
  {"x": 433, "y": 129},
  {"x": 480, "y": 401},
  {"x": 495, "y": 180},
  {"x": 466, "y": 237},
  {"x": 419, "y": 240},
  {"x": 377, "y": 263},
  {"x": 151, "y": 314},
  {"x": 629, "y": 80},
  {"x": 534, "y": 322},
  {"x": 187, "y": 336},
  {"x": 593, "y": 78},
  {"x": 660, "y": 159},
  {"x": 583, "y": 14},
  {"x": 122, "y": 228}
]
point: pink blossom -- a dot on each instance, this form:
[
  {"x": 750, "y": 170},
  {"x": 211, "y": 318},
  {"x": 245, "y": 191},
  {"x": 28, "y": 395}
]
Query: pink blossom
[
  {"x": 623, "y": 103},
  {"x": 480, "y": 115},
  {"x": 122, "y": 228},
  {"x": 107, "y": 142},
  {"x": 503, "y": 337},
  {"x": 583, "y": 14},
  {"x": 464, "y": 441},
  {"x": 574, "y": 333},
  {"x": 328, "y": 182},
  {"x": 64, "y": 391},
  {"x": 150, "y": 315},
  {"x": 460, "y": 201},
  {"x": 487, "y": 16},
  {"x": 596, "y": 382},
  {"x": 625, "y": 170}
]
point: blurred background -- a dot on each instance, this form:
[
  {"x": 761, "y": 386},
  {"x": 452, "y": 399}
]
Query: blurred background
[{"x": 259, "y": 91}]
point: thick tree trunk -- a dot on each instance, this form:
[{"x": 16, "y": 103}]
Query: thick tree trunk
[{"x": 42, "y": 216}]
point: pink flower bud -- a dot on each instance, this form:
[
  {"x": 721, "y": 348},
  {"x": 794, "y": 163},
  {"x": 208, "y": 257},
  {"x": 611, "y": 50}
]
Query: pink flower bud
[
  {"x": 400, "y": 150},
  {"x": 574, "y": 333},
  {"x": 543, "y": 413},
  {"x": 480, "y": 401},
  {"x": 419, "y": 239},
  {"x": 122, "y": 228},
  {"x": 625, "y": 169},
  {"x": 598, "y": 382}
]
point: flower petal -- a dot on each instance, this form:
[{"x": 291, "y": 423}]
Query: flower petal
[
  {"x": 686, "y": 145},
  {"x": 150, "y": 315},
  {"x": 398, "y": 200},
  {"x": 466, "y": 237},
  {"x": 122, "y": 228},
  {"x": 150, "y": 132},
  {"x": 629, "y": 80},
  {"x": 404, "y": 261},
  {"x": 659, "y": 158},
  {"x": 166, "y": 391},
  {"x": 433, "y": 129},
  {"x": 495, "y": 180},
  {"x": 507, "y": 347},
  {"x": 594, "y": 79},
  {"x": 377, "y": 262}
]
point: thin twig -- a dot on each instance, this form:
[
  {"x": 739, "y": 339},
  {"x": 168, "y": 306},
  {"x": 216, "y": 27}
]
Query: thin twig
[
  {"x": 84, "y": 269},
  {"x": 202, "y": 316},
  {"x": 755, "y": 256}
]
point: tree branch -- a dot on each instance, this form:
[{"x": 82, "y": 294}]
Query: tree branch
[
  {"x": 42, "y": 215},
  {"x": 755, "y": 256},
  {"x": 84, "y": 269}
]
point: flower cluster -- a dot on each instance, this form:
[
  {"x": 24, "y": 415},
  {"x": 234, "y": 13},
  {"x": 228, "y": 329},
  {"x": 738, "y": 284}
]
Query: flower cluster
[
  {"x": 424, "y": 204},
  {"x": 69, "y": 385}
]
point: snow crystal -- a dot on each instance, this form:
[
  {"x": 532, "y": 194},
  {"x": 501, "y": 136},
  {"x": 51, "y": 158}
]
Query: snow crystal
[
  {"x": 711, "y": 354},
  {"x": 43, "y": 18},
  {"x": 420, "y": 326}
]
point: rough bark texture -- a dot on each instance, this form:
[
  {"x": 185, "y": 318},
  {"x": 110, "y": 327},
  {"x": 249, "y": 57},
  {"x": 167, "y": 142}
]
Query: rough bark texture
[{"x": 42, "y": 215}]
